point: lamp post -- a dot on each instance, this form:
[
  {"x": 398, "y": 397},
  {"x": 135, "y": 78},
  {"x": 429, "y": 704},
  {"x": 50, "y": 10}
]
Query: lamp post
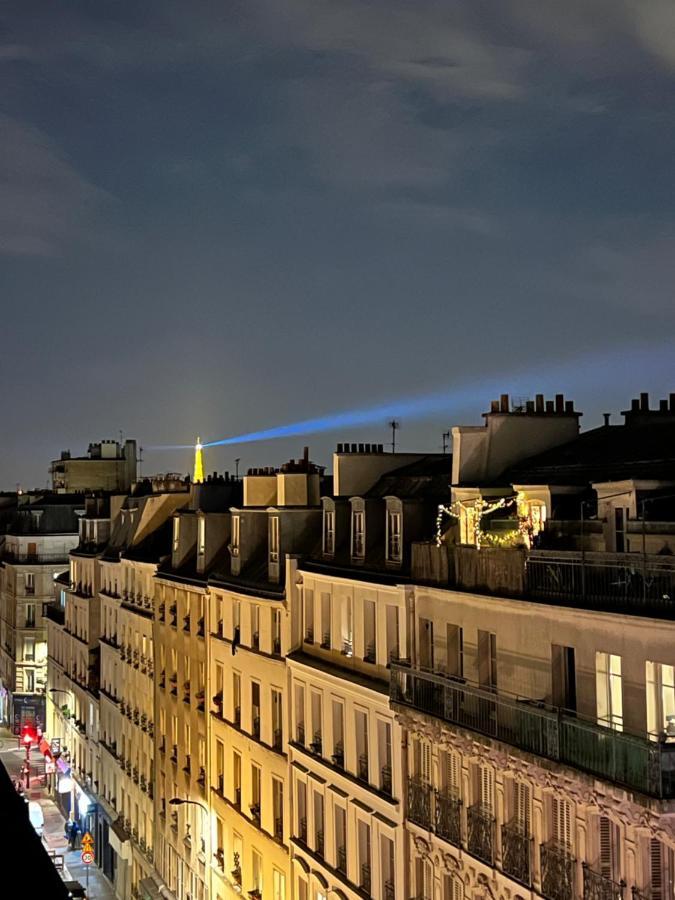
[{"x": 206, "y": 848}]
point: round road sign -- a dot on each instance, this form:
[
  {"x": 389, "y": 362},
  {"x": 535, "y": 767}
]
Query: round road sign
[{"x": 87, "y": 857}]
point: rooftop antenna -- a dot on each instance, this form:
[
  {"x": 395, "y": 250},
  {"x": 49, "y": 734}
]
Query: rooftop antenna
[
  {"x": 394, "y": 424},
  {"x": 236, "y": 467},
  {"x": 139, "y": 460},
  {"x": 446, "y": 440}
]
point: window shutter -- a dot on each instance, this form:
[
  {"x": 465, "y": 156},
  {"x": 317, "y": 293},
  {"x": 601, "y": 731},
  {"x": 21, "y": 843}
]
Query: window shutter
[
  {"x": 486, "y": 787},
  {"x": 656, "y": 869},
  {"x": 561, "y": 814},
  {"x": 521, "y": 806},
  {"x": 606, "y": 867},
  {"x": 425, "y": 761},
  {"x": 451, "y": 773}
]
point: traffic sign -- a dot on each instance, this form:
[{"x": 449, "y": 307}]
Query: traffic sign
[
  {"x": 87, "y": 857},
  {"x": 87, "y": 841}
]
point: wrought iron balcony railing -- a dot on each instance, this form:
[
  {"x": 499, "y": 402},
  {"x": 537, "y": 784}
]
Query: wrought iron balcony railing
[
  {"x": 364, "y": 880},
  {"x": 517, "y": 849},
  {"x": 385, "y": 780},
  {"x": 630, "y": 760},
  {"x": 481, "y": 833},
  {"x": 600, "y": 887},
  {"x": 419, "y": 803},
  {"x": 558, "y": 868},
  {"x": 448, "y": 817}
]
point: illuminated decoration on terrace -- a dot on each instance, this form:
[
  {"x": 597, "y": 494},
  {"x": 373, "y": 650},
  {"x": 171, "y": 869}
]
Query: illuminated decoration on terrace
[
  {"x": 199, "y": 463},
  {"x": 530, "y": 517}
]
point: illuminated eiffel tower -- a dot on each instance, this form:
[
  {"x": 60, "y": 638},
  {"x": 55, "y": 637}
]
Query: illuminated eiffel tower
[{"x": 199, "y": 463}]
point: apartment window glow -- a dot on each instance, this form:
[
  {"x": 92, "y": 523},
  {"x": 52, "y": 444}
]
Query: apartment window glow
[
  {"x": 329, "y": 532},
  {"x": 358, "y": 534},
  {"x": 608, "y": 690},
  {"x": 274, "y": 539},
  {"x": 394, "y": 545},
  {"x": 236, "y": 531},
  {"x": 660, "y": 679},
  {"x": 201, "y": 536},
  {"x": 176, "y": 533}
]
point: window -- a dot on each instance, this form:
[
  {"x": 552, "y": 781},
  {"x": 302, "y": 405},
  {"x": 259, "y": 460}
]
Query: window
[
  {"x": 30, "y": 583},
  {"x": 394, "y": 547},
  {"x": 329, "y": 532},
  {"x": 29, "y": 649},
  {"x": 279, "y": 885},
  {"x": 176, "y": 533},
  {"x": 453, "y": 887},
  {"x": 255, "y": 793},
  {"x": 274, "y": 538},
  {"x": 30, "y": 680},
  {"x": 660, "y": 680},
  {"x": 363, "y": 833},
  {"x": 220, "y": 768},
  {"x": 30, "y": 615},
  {"x": 607, "y": 848},
  {"x": 521, "y": 806},
  {"x": 301, "y": 790},
  {"x": 234, "y": 548},
  {"x": 276, "y": 631},
  {"x": 387, "y": 868},
  {"x": 236, "y": 698},
  {"x": 277, "y": 720},
  {"x": 369, "y": 634},
  {"x": 318, "y": 823},
  {"x": 424, "y": 879},
  {"x": 325, "y": 621},
  {"x": 608, "y": 690},
  {"x": 300, "y": 713},
  {"x": 309, "y": 616},
  {"x": 483, "y": 787},
  {"x": 560, "y": 812},
  {"x": 278, "y": 808},
  {"x": 346, "y": 627},
  {"x": 384, "y": 755},
  {"x": 422, "y": 760},
  {"x": 362, "y": 761},
  {"x": 487, "y": 659},
  {"x": 468, "y": 519},
  {"x": 316, "y": 744},
  {"x": 338, "y": 734},
  {"x": 454, "y": 663},
  {"x": 201, "y": 536},
  {"x": 255, "y": 626},
  {"x": 257, "y": 873},
  {"x": 358, "y": 534},
  {"x": 392, "y": 633},
  {"x": 658, "y": 870},
  {"x": 450, "y": 772},
  {"x": 236, "y": 778},
  {"x": 255, "y": 709},
  {"x": 340, "y": 839}
]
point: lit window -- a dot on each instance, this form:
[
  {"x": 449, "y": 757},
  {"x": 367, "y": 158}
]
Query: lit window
[
  {"x": 358, "y": 534},
  {"x": 235, "y": 535},
  {"x": 608, "y": 690},
  {"x": 660, "y": 699},
  {"x": 274, "y": 538},
  {"x": 176, "y": 533},
  {"x": 201, "y": 536}
]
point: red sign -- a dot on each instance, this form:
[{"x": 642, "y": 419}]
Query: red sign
[{"x": 87, "y": 857}]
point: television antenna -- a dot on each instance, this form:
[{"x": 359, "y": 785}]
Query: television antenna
[{"x": 394, "y": 424}]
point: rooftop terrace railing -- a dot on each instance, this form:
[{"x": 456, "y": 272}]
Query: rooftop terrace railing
[{"x": 633, "y": 761}]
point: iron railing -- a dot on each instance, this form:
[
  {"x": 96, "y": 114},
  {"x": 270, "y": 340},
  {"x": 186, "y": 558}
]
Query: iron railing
[
  {"x": 448, "y": 817},
  {"x": 600, "y": 887},
  {"x": 630, "y": 760},
  {"x": 557, "y": 872},
  {"x": 364, "y": 880},
  {"x": 341, "y": 859},
  {"x": 419, "y": 803},
  {"x": 517, "y": 847},
  {"x": 480, "y": 823}
]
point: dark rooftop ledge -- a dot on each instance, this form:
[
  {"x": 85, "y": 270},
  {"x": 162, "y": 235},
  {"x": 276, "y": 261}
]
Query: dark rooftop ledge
[
  {"x": 626, "y": 583},
  {"x": 632, "y": 761}
]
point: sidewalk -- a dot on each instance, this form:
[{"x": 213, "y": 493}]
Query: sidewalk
[{"x": 53, "y": 833}]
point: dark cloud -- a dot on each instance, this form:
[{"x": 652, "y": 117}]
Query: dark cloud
[{"x": 216, "y": 216}]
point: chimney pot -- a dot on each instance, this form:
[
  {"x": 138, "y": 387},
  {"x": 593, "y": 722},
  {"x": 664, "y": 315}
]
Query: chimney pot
[
  {"x": 361, "y": 450},
  {"x": 569, "y": 406},
  {"x": 635, "y": 404},
  {"x": 663, "y": 405},
  {"x": 539, "y": 403},
  {"x": 504, "y": 403},
  {"x": 529, "y": 406},
  {"x": 494, "y": 406},
  {"x": 549, "y": 406},
  {"x": 644, "y": 401},
  {"x": 559, "y": 403}
]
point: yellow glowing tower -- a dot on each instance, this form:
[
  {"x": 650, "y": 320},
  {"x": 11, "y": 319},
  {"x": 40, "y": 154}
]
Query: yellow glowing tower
[{"x": 199, "y": 462}]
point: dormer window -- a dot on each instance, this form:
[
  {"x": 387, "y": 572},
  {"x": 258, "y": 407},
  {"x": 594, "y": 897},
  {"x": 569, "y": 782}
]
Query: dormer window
[
  {"x": 201, "y": 536},
  {"x": 176, "y": 534},
  {"x": 329, "y": 532},
  {"x": 274, "y": 538},
  {"x": 234, "y": 547},
  {"x": 394, "y": 545},
  {"x": 358, "y": 534}
]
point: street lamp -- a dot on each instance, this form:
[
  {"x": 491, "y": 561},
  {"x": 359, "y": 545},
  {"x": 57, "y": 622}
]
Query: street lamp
[{"x": 179, "y": 801}]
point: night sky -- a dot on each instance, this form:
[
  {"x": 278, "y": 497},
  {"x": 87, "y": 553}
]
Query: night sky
[{"x": 216, "y": 217}]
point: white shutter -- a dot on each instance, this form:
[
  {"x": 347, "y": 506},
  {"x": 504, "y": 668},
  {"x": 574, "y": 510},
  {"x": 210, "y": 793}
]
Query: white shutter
[
  {"x": 425, "y": 761},
  {"x": 486, "y": 787},
  {"x": 450, "y": 774},
  {"x": 453, "y": 888},
  {"x": 561, "y": 816},
  {"x": 521, "y": 805},
  {"x": 605, "y": 856}
]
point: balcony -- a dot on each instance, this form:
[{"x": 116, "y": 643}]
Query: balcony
[
  {"x": 631, "y": 761},
  {"x": 300, "y": 733},
  {"x": 557, "y": 872},
  {"x": 338, "y": 756},
  {"x": 319, "y": 844},
  {"x": 481, "y": 833},
  {"x": 419, "y": 803},
  {"x": 316, "y": 745},
  {"x": 517, "y": 846},
  {"x": 389, "y": 891},
  {"x": 277, "y": 740},
  {"x": 385, "y": 780},
  {"x": 362, "y": 772},
  {"x": 302, "y": 830},
  {"x": 255, "y": 813},
  {"x": 341, "y": 859},
  {"x": 448, "y": 817},
  {"x": 255, "y": 730},
  {"x": 601, "y": 887}
]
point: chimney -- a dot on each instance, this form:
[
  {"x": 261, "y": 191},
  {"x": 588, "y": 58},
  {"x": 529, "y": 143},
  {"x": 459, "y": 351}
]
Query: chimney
[
  {"x": 539, "y": 403},
  {"x": 559, "y": 403},
  {"x": 549, "y": 406},
  {"x": 644, "y": 402},
  {"x": 504, "y": 403},
  {"x": 569, "y": 406},
  {"x": 672, "y": 402},
  {"x": 663, "y": 405},
  {"x": 606, "y": 417},
  {"x": 635, "y": 405},
  {"x": 494, "y": 406},
  {"x": 529, "y": 406}
]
